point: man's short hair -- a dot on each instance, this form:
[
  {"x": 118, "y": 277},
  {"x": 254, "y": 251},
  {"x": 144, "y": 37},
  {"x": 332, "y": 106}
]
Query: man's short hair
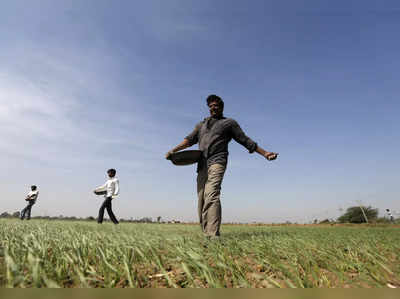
[
  {"x": 111, "y": 172},
  {"x": 214, "y": 98},
  {"x": 33, "y": 187}
]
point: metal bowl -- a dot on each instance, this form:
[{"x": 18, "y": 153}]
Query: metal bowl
[
  {"x": 100, "y": 192},
  {"x": 185, "y": 157}
]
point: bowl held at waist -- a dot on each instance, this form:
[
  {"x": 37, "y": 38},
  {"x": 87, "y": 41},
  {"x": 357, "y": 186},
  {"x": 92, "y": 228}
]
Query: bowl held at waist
[
  {"x": 186, "y": 157},
  {"x": 100, "y": 192}
]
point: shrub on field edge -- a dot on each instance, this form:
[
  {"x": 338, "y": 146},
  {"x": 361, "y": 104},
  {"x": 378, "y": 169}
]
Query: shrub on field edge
[{"x": 357, "y": 214}]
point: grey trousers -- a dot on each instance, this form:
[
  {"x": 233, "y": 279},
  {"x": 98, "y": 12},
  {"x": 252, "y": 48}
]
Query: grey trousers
[
  {"x": 27, "y": 210},
  {"x": 209, "y": 182}
]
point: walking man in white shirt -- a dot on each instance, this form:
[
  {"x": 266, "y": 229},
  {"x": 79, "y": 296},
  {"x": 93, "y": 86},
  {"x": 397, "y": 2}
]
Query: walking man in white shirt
[
  {"x": 110, "y": 190},
  {"x": 390, "y": 216},
  {"x": 31, "y": 199}
]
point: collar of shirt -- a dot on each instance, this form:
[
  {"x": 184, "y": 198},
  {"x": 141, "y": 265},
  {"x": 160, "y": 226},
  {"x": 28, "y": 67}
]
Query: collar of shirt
[{"x": 212, "y": 120}]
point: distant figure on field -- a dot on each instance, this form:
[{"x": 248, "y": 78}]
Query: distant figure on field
[
  {"x": 110, "y": 190},
  {"x": 31, "y": 198},
  {"x": 213, "y": 135},
  {"x": 390, "y": 216}
]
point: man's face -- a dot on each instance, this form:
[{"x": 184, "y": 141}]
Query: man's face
[{"x": 215, "y": 109}]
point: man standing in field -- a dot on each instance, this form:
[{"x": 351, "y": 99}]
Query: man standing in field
[
  {"x": 213, "y": 135},
  {"x": 31, "y": 198},
  {"x": 390, "y": 216},
  {"x": 110, "y": 190}
]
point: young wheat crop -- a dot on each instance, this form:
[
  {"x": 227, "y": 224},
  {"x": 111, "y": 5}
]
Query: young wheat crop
[{"x": 43, "y": 253}]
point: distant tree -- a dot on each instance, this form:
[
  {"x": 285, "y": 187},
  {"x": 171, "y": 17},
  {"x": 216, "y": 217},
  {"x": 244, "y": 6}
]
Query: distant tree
[
  {"x": 16, "y": 214},
  {"x": 355, "y": 215},
  {"x": 159, "y": 219}
]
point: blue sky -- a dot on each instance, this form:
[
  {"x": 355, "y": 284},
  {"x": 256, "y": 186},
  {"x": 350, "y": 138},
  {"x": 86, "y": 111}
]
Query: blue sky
[{"x": 89, "y": 85}]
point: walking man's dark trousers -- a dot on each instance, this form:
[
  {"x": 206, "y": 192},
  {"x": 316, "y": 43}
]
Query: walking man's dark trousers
[
  {"x": 107, "y": 205},
  {"x": 27, "y": 210}
]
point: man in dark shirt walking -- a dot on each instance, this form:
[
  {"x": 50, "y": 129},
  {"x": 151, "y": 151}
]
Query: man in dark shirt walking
[{"x": 213, "y": 135}]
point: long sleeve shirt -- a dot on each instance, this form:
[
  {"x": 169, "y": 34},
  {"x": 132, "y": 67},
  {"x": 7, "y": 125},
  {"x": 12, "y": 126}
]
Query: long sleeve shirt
[
  {"x": 32, "y": 195},
  {"x": 213, "y": 136},
  {"x": 111, "y": 187}
]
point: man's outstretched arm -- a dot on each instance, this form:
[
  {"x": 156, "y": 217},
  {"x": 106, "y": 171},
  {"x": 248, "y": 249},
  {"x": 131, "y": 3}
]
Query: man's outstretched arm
[
  {"x": 266, "y": 154},
  {"x": 252, "y": 146},
  {"x": 188, "y": 141},
  {"x": 184, "y": 144}
]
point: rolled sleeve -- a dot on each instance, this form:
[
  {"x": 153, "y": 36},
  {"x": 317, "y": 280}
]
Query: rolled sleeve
[
  {"x": 241, "y": 138},
  {"x": 193, "y": 137}
]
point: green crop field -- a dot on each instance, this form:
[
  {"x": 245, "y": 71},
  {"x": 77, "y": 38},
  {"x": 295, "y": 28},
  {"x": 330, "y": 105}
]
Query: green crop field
[{"x": 43, "y": 253}]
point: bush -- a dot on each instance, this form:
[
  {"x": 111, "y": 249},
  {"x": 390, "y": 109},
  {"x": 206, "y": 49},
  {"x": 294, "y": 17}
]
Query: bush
[{"x": 355, "y": 215}]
